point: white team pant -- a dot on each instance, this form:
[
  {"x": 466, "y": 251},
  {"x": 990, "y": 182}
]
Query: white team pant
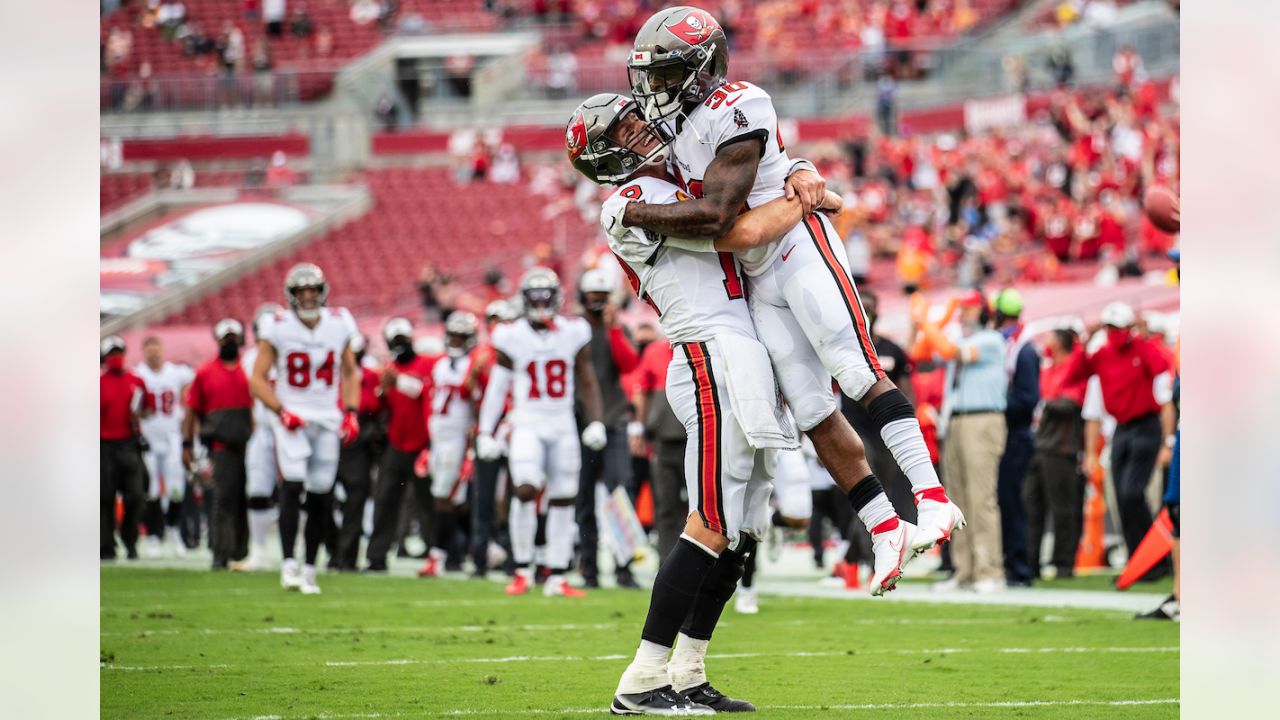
[
  {"x": 729, "y": 482},
  {"x": 164, "y": 460},
  {"x": 808, "y": 315},
  {"x": 545, "y": 453},
  {"x": 792, "y": 486},
  {"x": 260, "y": 462},
  {"x": 308, "y": 455},
  {"x": 448, "y": 451}
]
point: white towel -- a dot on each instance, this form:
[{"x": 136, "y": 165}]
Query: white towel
[{"x": 754, "y": 394}]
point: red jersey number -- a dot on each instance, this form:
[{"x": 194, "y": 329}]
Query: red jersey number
[
  {"x": 298, "y": 369},
  {"x": 555, "y": 373},
  {"x": 167, "y": 401},
  {"x": 732, "y": 281}
]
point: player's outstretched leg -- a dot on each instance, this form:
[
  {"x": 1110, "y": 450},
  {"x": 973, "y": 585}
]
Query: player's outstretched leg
[
  {"x": 687, "y": 669},
  {"x": 645, "y": 687}
]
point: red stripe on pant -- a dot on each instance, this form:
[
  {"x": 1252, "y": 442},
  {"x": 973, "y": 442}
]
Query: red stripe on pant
[
  {"x": 848, "y": 293},
  {"x": 708, "y": 438}
]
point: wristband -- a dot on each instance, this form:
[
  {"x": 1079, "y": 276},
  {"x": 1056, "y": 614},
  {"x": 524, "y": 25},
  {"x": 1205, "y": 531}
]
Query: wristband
[
  {"x": 352, "y": 410},
  {"x": 800, "y": 164},
  {"x": 635, "y": 428},
  {"x": 188, "y": 444},
  {"x": 1170, "y": 441}
]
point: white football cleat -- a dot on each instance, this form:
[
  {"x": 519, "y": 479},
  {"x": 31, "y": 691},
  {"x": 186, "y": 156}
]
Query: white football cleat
[
  {"x": 309, "y": 586},
  {"x": 558, "y": 586},
  {"x": 174, "y": 540},
  {"x": 892, "y": 550},
  {"x": 290, "y": 575},
  {"x": 152, "y": 547},
  {"x": 936, "y": 521},
  {"x": 746, "y": 601}
]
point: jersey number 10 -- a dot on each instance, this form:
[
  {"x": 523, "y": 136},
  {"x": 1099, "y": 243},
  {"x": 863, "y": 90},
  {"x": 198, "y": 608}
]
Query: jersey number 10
[
  {"x": 298, "y": 369},
  {"x": 554, "y": 372}
]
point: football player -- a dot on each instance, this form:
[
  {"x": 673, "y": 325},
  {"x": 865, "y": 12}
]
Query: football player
[
  {"x": 545, "y": 356},
  {"x": 715, "y": 392},
  {"x": 728, "y": 155},
  {"x": 166, "y": 383},
  {"x": 260, "y": 456},
  {"x": 308, "y": 346},
  {"x": 453, "y": 416},
  {"x": 486, "y": 486}
]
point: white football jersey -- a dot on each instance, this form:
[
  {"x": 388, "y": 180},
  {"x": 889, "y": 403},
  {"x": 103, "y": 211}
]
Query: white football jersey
[
  {"x": 697, "y": 295},
  {"x": 452, "y": 409},
  {"x": 309, "y": 361},
  {"x": 247, "y": 360},
  {"x": 543, "y": 364},
  {"x": 736, "y": 110},
  {"x": 166, "y": 386}
]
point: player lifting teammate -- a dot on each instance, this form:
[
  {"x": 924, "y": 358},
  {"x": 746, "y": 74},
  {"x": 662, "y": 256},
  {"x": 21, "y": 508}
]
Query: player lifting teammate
[
  {"x": 307, "y": 346},
  {"x": 547, "y": 356},
  {"x": 720, "y": 386},
  {"x": 728, "y": 155}
]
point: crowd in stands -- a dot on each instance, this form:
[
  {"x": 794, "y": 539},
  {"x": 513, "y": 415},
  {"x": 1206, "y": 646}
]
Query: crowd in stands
[{"x": 1064, "y": 187}]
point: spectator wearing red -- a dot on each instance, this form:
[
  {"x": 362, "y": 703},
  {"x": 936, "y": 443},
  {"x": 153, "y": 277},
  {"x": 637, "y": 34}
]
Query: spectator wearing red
[
  {"x": 220, "y": 409},
  {"x": 406, "y": 387},
  {"x": 1127, "y": 367},
  {"x": 280, "y": 174},
  {"x": 357, "y": 460},
  {"x": 121, "y": 402}
]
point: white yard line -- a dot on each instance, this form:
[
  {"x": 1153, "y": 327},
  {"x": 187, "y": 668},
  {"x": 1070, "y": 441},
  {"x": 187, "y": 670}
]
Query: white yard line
[
  {"x": 435, "y": 630},
  {"x": 713, "y": 656}
]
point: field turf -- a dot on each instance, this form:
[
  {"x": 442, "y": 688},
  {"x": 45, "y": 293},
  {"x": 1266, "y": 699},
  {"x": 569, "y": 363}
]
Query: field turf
[{"x": 186, "y": 644}]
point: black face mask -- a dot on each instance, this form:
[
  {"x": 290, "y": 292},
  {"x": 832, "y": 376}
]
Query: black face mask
[
  {"x": 403, "y": 351},
  {"x": 595, "y": 307},
  {"x": 229, "y": 350}
]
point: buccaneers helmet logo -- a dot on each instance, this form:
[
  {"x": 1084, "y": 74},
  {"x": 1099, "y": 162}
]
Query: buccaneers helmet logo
[
  {"x": 696, "y": 27},
  {"x": 575, "y": 136}
]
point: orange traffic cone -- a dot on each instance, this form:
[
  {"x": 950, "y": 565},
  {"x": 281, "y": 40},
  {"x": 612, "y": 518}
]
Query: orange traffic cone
[
  {"x": 1154, "y": 547},
  {"x": 644, "y": 506},
  {"x": 1092, "y": 552}
]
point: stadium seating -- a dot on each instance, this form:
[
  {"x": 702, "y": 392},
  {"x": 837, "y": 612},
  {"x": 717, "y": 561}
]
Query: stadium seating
[
  {"x": 116, "y": 190},
  {"x": 419, "y": 215}
]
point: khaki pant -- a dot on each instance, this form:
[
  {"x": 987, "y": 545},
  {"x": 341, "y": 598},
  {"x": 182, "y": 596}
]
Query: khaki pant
[{"x": 970, "y": 462}]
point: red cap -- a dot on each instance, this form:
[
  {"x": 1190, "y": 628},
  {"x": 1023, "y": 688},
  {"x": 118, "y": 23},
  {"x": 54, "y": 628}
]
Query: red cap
[{"x": 971, "y": 298}]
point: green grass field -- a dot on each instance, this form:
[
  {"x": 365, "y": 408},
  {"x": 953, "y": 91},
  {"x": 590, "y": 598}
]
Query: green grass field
[{"x": 184, "y": 644}]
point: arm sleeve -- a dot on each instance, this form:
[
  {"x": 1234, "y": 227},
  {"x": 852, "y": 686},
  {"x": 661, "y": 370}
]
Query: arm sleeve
[
  {"x": 495, "y": 398},
  {"x": 195, "y": 395},
  {"x": 1024, "y": 386},
  {"x": 624, "y": 353}
]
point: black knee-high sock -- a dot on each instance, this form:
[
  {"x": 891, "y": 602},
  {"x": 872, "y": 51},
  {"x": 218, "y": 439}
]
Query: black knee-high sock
[
  {"x": 290, "y": 507},
  {"x": 749, "y": 570},
  {"x": 173, "y": 517},
  {"x": 540, "y": 536},
  {"x": 716, "y": 590},
  {"x": 675, "y": 590},
  {"x": 446, "y": 527},
  {"x": 319, "y": 520},
  {"x": 153, "y": 518}
]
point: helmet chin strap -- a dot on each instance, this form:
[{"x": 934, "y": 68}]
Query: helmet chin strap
[{"x": 308, "y": 315}]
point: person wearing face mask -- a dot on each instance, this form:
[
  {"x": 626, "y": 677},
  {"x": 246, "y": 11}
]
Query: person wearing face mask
[
  {"x": 220, "y": 408},
  {"x": 1127, "y": 367},
  {"x": 973, "y": 423},
  {"x": 612, "y": 355},
  {"x": 406, "y": 389},
  {"x": 121, "y": 404}
]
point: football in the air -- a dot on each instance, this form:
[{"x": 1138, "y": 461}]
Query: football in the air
[{"x": 1161, "y": 206}]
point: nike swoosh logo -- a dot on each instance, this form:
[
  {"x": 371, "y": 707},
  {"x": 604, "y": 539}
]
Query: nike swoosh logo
[
  {"x": 729, "y": 103},
  {"x": 787, "y": 254}
]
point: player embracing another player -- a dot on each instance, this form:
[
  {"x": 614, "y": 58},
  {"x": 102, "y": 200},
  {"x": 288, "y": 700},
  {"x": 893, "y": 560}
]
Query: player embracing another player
[
  {"x": 721, "y": 388},
  {"x": 543, "y": 359},
  {"x": 726, "y": 152}
]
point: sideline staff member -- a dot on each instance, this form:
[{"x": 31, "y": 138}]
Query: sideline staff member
[
  {"x": 120, "y": 404},
  {"x": 220, "y": 405}
]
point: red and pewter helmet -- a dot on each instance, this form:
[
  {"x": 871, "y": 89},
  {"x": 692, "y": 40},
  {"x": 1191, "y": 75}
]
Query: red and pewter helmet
[
  {"x": 600, "y": 158},
  {"x": 540, "y": 294},
  {"x": 680, "y": 55},
  {"x": 460, "y": 327},
  {"x": 305, "y": 275}
]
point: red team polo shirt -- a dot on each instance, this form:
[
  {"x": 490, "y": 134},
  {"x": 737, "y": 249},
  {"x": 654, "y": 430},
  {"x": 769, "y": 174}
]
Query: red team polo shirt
[
  {"x": 651, "y": 373},
  {"x": 218, "y": 387},
  {"x": 1126, "y": 375},
  {"x": 370, "y": 400},
  {"x": 407, "y": 422},
  {"x": 115, "y": 402}
]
